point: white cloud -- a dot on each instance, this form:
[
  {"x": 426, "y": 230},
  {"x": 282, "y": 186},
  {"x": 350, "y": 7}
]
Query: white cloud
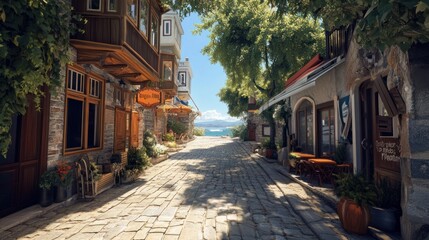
[{"x": 211, "y": 115}]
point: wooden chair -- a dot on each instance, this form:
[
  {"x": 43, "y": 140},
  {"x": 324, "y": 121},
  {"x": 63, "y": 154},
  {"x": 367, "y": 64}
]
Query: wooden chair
[{"x": 84, "y": 178}]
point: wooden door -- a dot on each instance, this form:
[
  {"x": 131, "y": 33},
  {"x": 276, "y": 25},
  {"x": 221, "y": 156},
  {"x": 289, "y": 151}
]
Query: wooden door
[
  {"x": 134, "y": 129},
  {"x": 120, "y": 129},
  {"x": 251, "y": 128},
  {"x": 367, "y": 120},
  {"x": 26, "y": 158}
]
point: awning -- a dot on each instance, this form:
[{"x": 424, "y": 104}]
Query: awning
[
  {"x": 305, "y": 81},
  {"x": 167, "y": 108}
]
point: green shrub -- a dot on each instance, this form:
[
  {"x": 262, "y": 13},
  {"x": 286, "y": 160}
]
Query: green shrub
[
  {"x": 48, "y": 179},
  {"x": 149, "y": 142},
  {"x": 198, "y": 131},
  {"x": 355, "y": 187},
  {"x": 137, "y": 158},
  {"x": 240, "y": 131},
  {"x": 169, "y": 137},
  {"x": 176, "y": 126}
]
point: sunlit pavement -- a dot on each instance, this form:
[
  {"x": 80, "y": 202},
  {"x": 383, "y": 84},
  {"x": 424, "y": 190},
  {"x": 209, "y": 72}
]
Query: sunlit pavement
[{"x": 213, "y": 189}]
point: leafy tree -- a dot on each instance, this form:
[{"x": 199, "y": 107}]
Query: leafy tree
[
  {"x": 257, "y": 49},
  {"x": 34, "y": 45},
  {"x": 380, "y": 24}
]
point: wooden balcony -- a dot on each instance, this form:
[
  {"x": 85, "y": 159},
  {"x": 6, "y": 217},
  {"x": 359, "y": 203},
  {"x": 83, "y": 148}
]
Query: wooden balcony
[
  {"x": 338, "y": 41},
  {"x": 168, "y": 87},
  {"x": 113, "y": 42}
]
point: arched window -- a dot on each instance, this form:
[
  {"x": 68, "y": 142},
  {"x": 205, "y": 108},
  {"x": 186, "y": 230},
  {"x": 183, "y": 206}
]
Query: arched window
[{"x": 304, "y": 119}]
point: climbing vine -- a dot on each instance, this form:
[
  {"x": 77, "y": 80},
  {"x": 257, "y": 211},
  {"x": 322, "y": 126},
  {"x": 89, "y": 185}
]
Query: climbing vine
[{"x": 34, "y": 45}]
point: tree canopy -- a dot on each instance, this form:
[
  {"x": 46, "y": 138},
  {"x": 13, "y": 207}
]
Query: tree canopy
[
  {"x": 379, "y": 24},
  {"x": 257, "y": 48}
]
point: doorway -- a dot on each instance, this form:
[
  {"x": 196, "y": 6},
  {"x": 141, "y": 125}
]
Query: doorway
[{"x": 26, "y": 159}]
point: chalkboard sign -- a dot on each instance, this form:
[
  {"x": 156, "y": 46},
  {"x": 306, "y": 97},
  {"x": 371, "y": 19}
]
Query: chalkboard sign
[{"x": 387, "y": 154}]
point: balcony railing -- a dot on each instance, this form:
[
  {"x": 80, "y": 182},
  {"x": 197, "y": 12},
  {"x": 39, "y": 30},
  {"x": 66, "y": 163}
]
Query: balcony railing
[{"x": 111, "y": 30}]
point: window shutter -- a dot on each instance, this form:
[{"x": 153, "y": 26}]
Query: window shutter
[
  {"x": 135, "y": 129},
  {"x": 120, "y": 130}
]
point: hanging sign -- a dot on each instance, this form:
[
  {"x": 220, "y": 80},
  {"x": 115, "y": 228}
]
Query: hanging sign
[{"x": 149, "y": 97}]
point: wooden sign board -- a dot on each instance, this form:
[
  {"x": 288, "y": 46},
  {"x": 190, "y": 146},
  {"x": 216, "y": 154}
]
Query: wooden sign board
[
  {"x": 387, "y": 154},
  {"x": 149, "y": 97}
]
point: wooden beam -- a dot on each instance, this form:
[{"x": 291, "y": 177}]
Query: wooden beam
[
  {"x": 129, "y": 75},
  {"x": 114, "y": 66},
  {"x": 88, "y": 60}
]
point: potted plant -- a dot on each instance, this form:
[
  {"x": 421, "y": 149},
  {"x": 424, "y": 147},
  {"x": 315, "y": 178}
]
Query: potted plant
[
  {"x": 385, "y": 213},
  {"x": 63, "y": 181},
  {"x": 355, "y": 194},
  {"x": 137, "y": 160},
  {"x": 46, "y": 183},
  {"x": 270, "y": 149}
]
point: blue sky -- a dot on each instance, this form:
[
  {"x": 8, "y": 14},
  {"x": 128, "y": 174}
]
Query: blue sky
[{"x": 208, "y": 78}]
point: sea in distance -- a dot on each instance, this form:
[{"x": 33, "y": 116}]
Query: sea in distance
[{"x": 218, "y": 132}]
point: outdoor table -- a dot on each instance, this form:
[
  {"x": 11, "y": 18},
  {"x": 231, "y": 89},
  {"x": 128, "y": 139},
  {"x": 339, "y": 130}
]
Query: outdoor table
[{"x": 323, "y": 168}]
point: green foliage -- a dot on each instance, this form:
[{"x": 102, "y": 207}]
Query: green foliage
[
  {"x": 282, "y": 113},
  {"x": 169, "y": 137},
  {"x": 198, "y": 131},
  {"x": 149, "y": 142},
  {"x": 267, "y": 144},
  {"x": 356, "y": 188},
  {"x": 96, "y": 174},
  {"x": 176, "y": 126},
  {"x": 379, "y": 24},
  {"x": 240, "y": 131},
  {"x": 237, "y": 103},
  {"x": 137, "y": 158},
  {"x": 34, "y": 46},
  {"x": 388, "y": 194},
  {"x": 47, "y": 180}
]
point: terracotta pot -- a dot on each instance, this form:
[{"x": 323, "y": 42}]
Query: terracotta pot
[{"x": 353, "y": 217}]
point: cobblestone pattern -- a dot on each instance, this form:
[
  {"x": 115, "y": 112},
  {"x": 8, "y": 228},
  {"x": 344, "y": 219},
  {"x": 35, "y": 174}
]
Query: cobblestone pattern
[{"x": 213, "y": 189}]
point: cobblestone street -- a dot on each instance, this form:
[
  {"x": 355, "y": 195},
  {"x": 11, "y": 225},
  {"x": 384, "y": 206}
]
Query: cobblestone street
[{"x": 213, "y": 189}]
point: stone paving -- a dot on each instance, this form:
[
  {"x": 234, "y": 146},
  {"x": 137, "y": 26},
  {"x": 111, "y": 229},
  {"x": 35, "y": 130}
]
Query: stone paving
[{"x": 213, "y": 189}]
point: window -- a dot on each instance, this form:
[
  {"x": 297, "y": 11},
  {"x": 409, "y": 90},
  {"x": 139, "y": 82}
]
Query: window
[
  {"x": 132, "y": 9},
  {"x": 182, "y": 79},
  {"x": 83, "y": 128},
  {"x": 154, "y": 31},
  {"x": 266, "y": 130},
  {"x": 166, "y": 27},
  {"x": 112, "y": 6},
  {"x": 94, "y": 5},
  {"x": 144, "y": 16},
  {"x": 167, "y": 70},
  {"x": 326, "y": 126},
  {"x": 305, "y": 127}
]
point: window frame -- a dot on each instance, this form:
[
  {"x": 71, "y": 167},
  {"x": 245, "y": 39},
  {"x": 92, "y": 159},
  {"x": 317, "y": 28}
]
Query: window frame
[
  {"x": 154, "y": 19},
  {"x": 148, "y": 14},
  {"x": 182, "y": 73},
  {"x": 166, "y": 22},
  {"x": 309, "y": 143},
  {"x": 112, "y": 10},
  {"x": 264, "y": 128},
  {"x": 94, "y": 10},
  {"x": 329, "y": 106},
  {"x": 137, "y": 11},
  {"x": 86, "y": 99}
]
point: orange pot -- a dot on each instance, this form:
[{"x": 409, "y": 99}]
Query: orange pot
[{"x": 353, "y": 217}]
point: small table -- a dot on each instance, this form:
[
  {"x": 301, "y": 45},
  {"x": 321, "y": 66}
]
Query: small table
[{"x": 323, "y": 168}]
